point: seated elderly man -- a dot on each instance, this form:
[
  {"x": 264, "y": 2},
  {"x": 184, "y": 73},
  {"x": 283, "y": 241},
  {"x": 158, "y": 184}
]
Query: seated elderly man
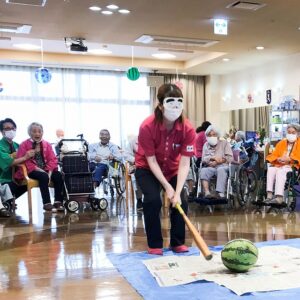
[
  {"x": 100, "y": 154},
  {"x": 217, "y": 154}
]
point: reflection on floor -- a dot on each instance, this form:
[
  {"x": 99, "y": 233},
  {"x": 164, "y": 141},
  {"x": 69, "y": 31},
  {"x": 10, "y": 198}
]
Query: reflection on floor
[{"x": 63, "y": 256}]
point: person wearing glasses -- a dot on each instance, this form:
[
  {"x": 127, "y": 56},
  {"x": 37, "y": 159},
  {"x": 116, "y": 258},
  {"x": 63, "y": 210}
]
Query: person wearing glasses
[
  {"x": 166, "y": 144},
  {"x": 100, "y": 154},
  {"x": 8, "y": 160}
]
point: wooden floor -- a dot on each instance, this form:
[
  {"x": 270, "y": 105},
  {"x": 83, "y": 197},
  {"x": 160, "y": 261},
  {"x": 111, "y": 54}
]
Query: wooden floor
[{"x": 63, "y": 256}]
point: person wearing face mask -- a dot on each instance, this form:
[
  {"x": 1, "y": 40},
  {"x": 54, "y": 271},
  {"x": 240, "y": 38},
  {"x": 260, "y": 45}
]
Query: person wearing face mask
[
  {"x": 100, "y": 154},
  {"x": 8, "y": 159},
  {"x": 217, "y": 154},
  {"x": 285, "y": 156},
  {"x": 42, "y": 167},
  {"x": 166, "y": 144}
]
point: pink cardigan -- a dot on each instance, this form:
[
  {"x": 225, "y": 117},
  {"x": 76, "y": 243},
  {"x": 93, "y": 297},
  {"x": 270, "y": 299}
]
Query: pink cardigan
[
  {"x": 48, "y": 155},
  {"x": 199, "y": 143}
]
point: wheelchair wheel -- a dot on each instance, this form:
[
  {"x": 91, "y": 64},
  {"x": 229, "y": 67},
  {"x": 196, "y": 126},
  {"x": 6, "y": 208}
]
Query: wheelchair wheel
[
  {"x": 112, "y": 191},
  {"x": 290, "y": 198},
  {"x": 120, "y": 180},
  {"x": 94, "y": 202},
  {"x": 261, "y": 193},
  {"x": 72, "y": 205},
  {"x": 102, "y": 204},
  {"x": 7, "y": 205},
  {"x": 247, "y": 183}
]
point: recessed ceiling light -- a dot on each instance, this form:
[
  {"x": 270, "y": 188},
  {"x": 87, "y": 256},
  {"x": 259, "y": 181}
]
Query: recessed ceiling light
[
  {"x": 106, "y": 12},
  {"x": 27, "y": 46},
  {"x": 99, "y": 51},
  {"x": 163, "y": 55},
  {"x": 112, "y": 6},
  {"x": 124, "y": 11},
  {"x": 260, "y": 48},
  {"x": 226, "y": 59},
  {"x": 95, "y": 8}
]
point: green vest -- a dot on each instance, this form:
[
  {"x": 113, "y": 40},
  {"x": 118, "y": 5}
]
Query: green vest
[{"x": 6, "y": 160}]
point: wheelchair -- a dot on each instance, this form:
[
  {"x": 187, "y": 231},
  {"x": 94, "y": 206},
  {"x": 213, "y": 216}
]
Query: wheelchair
[
  {"x": 114, "y": 179},
  {"x": 192, "y": 178},
  {"x": 289, "y": 196},
  {"x": 228, "y": 200},
  {"x": 244, "y": 178}
]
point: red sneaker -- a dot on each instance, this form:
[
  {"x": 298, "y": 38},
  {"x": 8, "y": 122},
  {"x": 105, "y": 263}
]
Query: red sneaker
[
  {"x": 155, "y": 251},
  {"x": 180, "y": 249}
]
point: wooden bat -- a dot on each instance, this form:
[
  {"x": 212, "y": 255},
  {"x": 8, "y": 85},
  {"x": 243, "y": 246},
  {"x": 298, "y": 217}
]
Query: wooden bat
[{"x": 196, "y": 235}]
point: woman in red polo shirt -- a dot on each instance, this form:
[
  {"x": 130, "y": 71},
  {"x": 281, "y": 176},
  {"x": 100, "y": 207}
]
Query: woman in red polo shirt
[{"x": 165, "y": 142}]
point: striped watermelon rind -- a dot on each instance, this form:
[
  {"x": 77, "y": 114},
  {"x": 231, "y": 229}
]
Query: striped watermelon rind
[
  {"x": 133, "y": 74},
  {"x": 239, "y": 255}
]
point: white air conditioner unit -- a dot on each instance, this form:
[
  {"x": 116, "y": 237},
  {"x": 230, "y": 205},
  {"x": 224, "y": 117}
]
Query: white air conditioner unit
[
  {"x": 174, "y": 41},
  {"x": 15, "y": 28},
  {"x": 28, "y": 2},
  {"x": 155, "y": 81},
  {"x": 249, "y": 5}
]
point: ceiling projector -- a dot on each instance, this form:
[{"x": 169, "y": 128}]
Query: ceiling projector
[
  {"x": 78, "y": 48},
  {"x": 75, "y": 44}
]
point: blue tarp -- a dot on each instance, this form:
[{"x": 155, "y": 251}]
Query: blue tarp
[{"x": 135, "y": 272}]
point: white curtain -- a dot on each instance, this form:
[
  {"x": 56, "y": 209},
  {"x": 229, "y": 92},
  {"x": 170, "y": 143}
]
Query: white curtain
[
  {"x": 250, "y": 119},
  {"x": 193, "y": 91},
  {"x": 78, "y": 101}
]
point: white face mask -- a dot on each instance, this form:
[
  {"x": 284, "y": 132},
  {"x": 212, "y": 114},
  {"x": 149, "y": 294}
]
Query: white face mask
[
  {"x": 172, "y": 114},
  {"x": 212, "y": 140},
  {"x": 291, "y": 137},
  {"x": 10, "y": 134},
  {"x": 173, "y": 108}
]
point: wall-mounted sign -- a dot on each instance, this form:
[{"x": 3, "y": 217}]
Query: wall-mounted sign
[
  {"x": 269, "y": 96},
  {"x": 250, "y": 98}
]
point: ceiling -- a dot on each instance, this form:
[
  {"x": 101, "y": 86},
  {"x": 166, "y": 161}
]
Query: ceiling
[{"x": 274, "y": 26}]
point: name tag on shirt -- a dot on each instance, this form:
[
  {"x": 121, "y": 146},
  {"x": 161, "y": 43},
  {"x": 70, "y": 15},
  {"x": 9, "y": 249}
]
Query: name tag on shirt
[{"x": 190, "y": 148}]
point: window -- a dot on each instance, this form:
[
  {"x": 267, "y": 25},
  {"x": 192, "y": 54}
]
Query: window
[{"x": 79, "y": 101}]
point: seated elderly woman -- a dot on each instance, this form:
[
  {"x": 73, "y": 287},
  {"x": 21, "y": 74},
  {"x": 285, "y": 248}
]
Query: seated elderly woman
[
  {"x": 42, "y": 167},
  {"x": 239, "y": 154},
  {"x": 285, "y": 156},
  {"x": 217, "y": 154}
]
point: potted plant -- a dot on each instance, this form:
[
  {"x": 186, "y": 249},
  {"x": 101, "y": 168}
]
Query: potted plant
[{"x": 261, "y": 135}]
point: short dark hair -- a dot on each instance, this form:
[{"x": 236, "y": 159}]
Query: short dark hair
[
  {"x": 203, "y": 126},
  {"x": 106, "y": 130},
  {"x": 166, "y": 90},
  {"x": 7, "y": 120}
]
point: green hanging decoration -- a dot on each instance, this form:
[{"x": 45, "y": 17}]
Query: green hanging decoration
[{"x": 133, "y": 73}]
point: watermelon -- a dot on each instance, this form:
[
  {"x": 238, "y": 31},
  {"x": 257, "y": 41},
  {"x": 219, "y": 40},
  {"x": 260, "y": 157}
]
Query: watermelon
[
  {"x": 239, "y": 255},
  {"x": 133, "y": 74}
]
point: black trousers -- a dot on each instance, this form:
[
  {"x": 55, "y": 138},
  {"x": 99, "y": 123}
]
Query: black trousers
[
  {"x": 17, "y": 190},
  {"x": 152, "y": 204},
  {"x": 43, "y": 179}
]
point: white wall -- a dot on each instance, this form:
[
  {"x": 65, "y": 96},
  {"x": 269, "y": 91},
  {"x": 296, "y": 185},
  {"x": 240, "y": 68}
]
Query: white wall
[
  {"x": 230, "y": 92},
  {"x": 212, "y": 104},
  {"x": 281, "y": 76}
]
